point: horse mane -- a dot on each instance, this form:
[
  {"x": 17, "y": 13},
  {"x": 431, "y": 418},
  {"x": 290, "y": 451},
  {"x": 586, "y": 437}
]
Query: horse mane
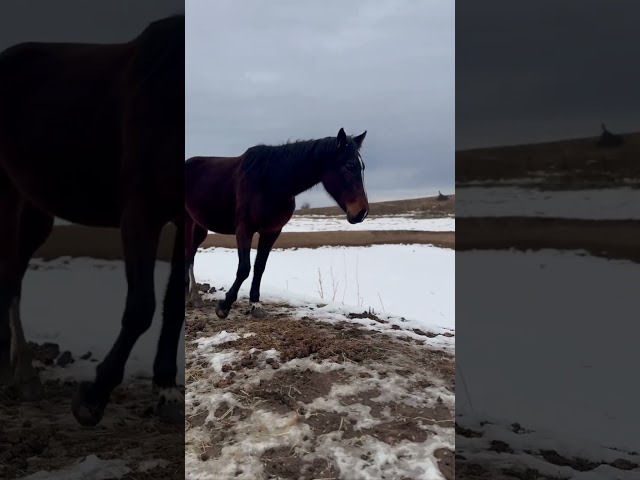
[{"x": 276, "y": 164}]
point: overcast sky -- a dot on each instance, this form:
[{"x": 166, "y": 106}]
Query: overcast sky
[
  {"x": 538, "y": 70},
  {"x": 106, "y": 21},
  {"x": 265, "y": 72}
]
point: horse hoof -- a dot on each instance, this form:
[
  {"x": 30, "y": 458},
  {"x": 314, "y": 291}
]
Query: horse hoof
[
  {"x": 221, "y": 312},
  {"x": 170, "y": 406},
  {"x": 31, "y": 390},
  {"x": 87, "y": 413}
]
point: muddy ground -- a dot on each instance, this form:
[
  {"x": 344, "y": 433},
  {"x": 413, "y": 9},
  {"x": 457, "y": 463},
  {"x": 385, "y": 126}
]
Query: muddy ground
[
  {"x": 44, "y": 436},
  {"x": 294, "y": 369},
  {"x": 613, "y": 239},
  {"x": 481, "y": 455}
]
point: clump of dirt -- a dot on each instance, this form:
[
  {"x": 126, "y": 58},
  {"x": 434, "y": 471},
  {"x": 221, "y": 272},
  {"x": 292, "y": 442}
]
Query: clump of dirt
[
  {"x": 303, "y": 338},
  {"x": 283, "y": 463},
  {"x": 446, "y": 463},
  {"x": 46, "y": 352},
  {"x": 288, "y": 389},
  {"x": 369, "y": 315}
]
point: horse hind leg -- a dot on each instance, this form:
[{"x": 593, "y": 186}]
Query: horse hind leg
[
  {"x": 9, "y": 272},
  {"x": 33, "y": 227},
  {"x": 243, "y": 240},
  {"x": 194, "y": 236},
  {"x": 170, "y": 406},
  {"x": 265, "y": 244}
]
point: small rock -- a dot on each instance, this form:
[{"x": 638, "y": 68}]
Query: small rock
[
  {"x": 270, "y": 360},
  {"x": 246, "y": 362},
  {"x": 65, "y": 359},
  {"x": 275, "y": 365},
  {"x": 226, "y": 367},
  {"x": 86, "y": 356},
  {"x": 395, "y": 327},
  {"x": 212, "y": 290}
]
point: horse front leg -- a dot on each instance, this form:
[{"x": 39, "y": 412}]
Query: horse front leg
[
  {"x": 140, "y": 236},
  {"x": 243, "y": 239},
  {"x": 170, "y": 406},
  {"x": 267, "y": 240}
]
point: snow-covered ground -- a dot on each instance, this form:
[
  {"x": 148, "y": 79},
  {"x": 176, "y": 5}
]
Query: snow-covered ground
[
  {"x": 411, "y": 289},
  {"x": 319, "y": 223},
  {"x": 413, "y": 281},
  {"x": 562, "y": 341},
  {"x": 86, "y": 297},
  {"x": 613, "y": 203}
]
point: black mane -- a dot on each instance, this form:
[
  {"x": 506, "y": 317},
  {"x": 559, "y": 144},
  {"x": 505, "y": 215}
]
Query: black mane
[{"x": 275, "y": 165}]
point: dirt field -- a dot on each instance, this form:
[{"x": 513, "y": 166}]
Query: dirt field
[
  {"x": 347, "y": 239},
  {"x": 427, "y": 207},
  {"x": 615, "y": 239},
  {"x": 301, "y": 399},
  {"x": 568, "y": 162},
  {"x": 43, "y": 435},
  {"x": 77, "y": 241}
]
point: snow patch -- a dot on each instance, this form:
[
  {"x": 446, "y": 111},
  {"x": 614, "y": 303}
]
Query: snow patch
[{"x": 89, "y": 468}]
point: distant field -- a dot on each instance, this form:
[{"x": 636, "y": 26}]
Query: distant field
[
  {"x": 426, "y": 207},
  {"x": 575, "y": 161}
]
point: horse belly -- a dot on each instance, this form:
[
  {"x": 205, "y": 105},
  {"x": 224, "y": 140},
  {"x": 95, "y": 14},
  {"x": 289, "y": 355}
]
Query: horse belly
[{"x": 88, "y": 200}]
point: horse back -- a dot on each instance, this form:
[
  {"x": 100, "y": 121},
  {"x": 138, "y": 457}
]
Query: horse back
[{"x": 85, "y": 118}]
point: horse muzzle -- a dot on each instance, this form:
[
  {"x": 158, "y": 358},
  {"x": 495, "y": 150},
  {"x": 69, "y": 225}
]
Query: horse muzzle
[{"x": 358, "y": 218}]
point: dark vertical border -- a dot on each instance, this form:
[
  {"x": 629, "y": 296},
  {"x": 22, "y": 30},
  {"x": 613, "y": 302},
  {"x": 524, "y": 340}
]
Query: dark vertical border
[
  {"x": 76, "y": 280},
  {"x": 547, "y": 238}
]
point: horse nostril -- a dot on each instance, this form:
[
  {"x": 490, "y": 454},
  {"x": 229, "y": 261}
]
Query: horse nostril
[{"x": 361, "y": 215}]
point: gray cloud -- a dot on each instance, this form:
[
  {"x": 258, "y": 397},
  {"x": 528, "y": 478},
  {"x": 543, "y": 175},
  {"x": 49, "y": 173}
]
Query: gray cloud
[
  {"x": 266, "y": 72},
  {"x": 542, "y": 70}
]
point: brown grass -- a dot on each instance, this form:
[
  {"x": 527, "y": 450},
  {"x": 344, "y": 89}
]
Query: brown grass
[
  {"x": 575, "y": 160},
  {"x": 427, "y": 207}
]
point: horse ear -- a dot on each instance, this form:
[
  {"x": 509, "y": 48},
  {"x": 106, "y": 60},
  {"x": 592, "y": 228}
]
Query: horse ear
[
  {"x": 342, "y": 138},
  {"x": 359, "y": 139}
]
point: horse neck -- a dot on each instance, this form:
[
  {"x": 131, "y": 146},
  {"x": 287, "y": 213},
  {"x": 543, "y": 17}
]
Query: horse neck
[{"x": 303, "y": 174}]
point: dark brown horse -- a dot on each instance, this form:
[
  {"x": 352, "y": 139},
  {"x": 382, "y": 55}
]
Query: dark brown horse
[
  {"x": 94, "y": 134},
  {"x": 255, "y": 193}
]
